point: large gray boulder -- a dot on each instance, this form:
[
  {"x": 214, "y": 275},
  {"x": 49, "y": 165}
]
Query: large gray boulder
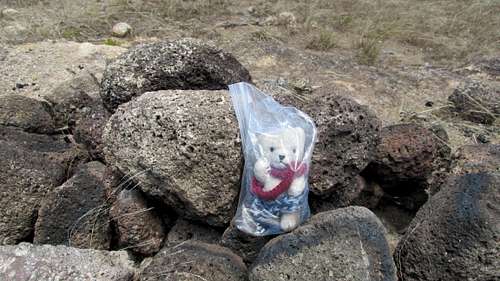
[
  {"x": 26, "y": 113},
  {"x": 186, "y": 64},
  {"x": 27, "y": 262},
  {"x": 32, "y": 165},
  {"x": 455, "y": 235},
  {"x": 76, "y": 213},
  {"x": 183, "y": 149},
  {"x": 344, "y": 244},
  {"x": 194, "y": 261}
]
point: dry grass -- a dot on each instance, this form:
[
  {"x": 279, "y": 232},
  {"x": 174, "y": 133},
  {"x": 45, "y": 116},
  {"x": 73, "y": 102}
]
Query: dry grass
[
  {"x": 443, "y": 31},
  {"x": 324, "y": 41}
]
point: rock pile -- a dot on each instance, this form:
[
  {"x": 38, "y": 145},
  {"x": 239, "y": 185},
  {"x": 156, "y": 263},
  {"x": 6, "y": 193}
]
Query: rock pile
[{"x": 143, "y": 169}]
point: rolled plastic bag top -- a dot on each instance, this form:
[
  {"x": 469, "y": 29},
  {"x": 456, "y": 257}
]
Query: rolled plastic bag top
[{"x": 277, "y": 144}]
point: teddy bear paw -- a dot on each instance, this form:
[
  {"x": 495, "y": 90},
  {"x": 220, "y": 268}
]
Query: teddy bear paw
[{"x": 289, "y": 221}]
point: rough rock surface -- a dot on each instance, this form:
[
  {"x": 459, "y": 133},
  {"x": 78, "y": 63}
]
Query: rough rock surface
[
  {"x": 26, "y": 262},
  {"x": 121, "y": 29},
  {"x": 89, "y": 128},
  {"x": 245, "y": 245},
  {"x": 26, "y": 113},
  {"x": 344, "y": 244},
  {"x": 476, "y": 102},
  {"x": 348, "y": 134},
  {"x": 185, "y": 230},
  {"x": 455, "y": 235},
  {"x": 194, "y": 261},
  {"x": 360, "y": 193},
  {"x": 139, "y": 228},
  {"x": 32, "y": 165},
  {"x": 187, "y": 64},
  {"x": 76, "y": 213},
  {"x": 407, "y": 153},
  {"x": 183, "y": 147},
  {"x": 70, "y": 98},
  {"x": 476, "y": 159}
]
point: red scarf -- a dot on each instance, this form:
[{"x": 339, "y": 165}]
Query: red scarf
[{"x": 286, "y": 175}]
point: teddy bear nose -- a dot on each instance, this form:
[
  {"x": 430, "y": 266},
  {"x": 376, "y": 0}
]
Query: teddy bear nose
[{"x": 282, "y": 157}]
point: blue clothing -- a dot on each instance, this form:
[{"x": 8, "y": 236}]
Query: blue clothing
[{"x": 266, "y": 214}]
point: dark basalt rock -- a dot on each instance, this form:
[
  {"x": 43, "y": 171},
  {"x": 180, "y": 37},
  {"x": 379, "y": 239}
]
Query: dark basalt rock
[
  {"x": 455, "y": 235},
  {"x": 361, "y": 193},
  {"x": 192, "y": 261},
  {"x": 407, "y": 153},
  {"x": 184, "y": 230},
  {"x": 476, "y": 102},
  {"x": 185, "y": 64},
  {"x": 89, "y": 128},
  {"x": 245, "y": 245},
  {"x": 76, "y": 213},
  {"x": 78, "y": 108},
  {"x": 344, "y": 244},
  {"x": 183, "y": 149},
  {"x": 26, "y": 113},
  {"x": 32, "y": 165},
  {"x": 139, "y": 227}
]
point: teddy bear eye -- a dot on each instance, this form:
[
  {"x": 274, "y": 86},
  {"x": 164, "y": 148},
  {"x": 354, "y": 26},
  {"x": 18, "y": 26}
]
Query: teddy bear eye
[{"x": 271, "y": 149}]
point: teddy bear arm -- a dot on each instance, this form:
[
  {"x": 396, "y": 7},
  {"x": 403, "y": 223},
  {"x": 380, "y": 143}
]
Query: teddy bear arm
[
  {"x": 297, "y": 187},
  {"x": 261, "y": 170}
]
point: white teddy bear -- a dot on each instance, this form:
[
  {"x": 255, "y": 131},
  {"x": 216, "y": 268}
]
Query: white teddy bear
[{"x": 280, "y": 175}]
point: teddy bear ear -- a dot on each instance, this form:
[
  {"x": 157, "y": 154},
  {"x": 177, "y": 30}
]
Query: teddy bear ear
[{"x": 258, "y": 137}]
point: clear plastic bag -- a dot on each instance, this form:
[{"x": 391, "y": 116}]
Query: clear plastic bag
[{"x": 277, "y": 145}]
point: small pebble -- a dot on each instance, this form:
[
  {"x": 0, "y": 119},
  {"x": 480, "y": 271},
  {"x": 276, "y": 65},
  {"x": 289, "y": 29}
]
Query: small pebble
[{"x": 121, "y": 29}]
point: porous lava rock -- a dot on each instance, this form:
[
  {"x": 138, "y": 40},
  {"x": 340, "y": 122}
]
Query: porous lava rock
[
  {"x": 186, "y": 64},
  {"x": 76, "y": 213},
  {"x": 138, "y": 226},
  {"x": 25, "y": 262},
  {"x": 476, "y": 101},
  {"x": 407, "y": 153},
  {"x": 360, "y": 193},
  {"x": 245, "y": 245},
  {"x": 26, "y": 113},
  {"x": 343, "y": 244},
  {"x": 192, "y": 261},
  {"x": 184, "y": 230},
  {"x": 455, "y": 235},
  {"x": 32, "y": 165},
  {"x": 89, "y": 128},
  {"x": 183, "y": 149}
]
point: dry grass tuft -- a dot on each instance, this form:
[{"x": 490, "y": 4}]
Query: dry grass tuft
[{"x": 325, "y": 41}]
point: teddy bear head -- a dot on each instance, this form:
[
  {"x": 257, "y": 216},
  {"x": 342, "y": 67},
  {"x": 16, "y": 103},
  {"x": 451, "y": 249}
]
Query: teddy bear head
[{"x": 281, "y": 147}]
